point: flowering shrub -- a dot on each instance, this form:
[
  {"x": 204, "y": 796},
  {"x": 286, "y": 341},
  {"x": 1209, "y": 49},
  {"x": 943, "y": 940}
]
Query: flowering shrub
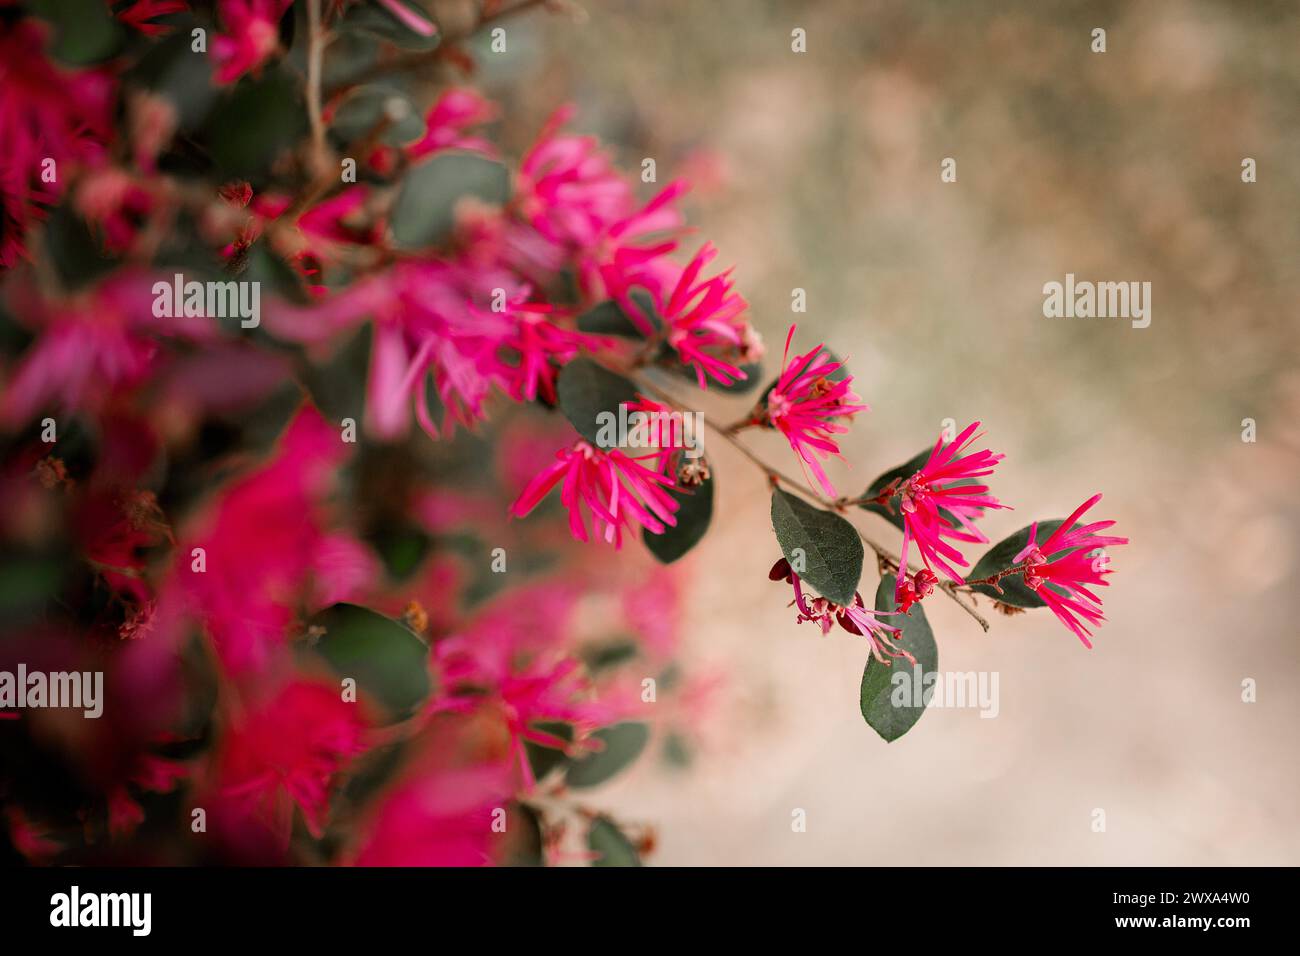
[{"x": 261, "y": 316}]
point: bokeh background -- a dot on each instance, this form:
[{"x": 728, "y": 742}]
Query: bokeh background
[{"x": 821, "y": 171}]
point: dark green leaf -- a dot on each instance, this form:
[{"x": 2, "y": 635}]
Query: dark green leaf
[
  {"x": 364, "y": 108},
  {"x": 585, "y": 391},
  {"x": 425, "y": 211},
  {"x": 388, "y": 662},
  {"x": 1000, "y": 557},
  {"x": 256, "y": 124},
  {"x": 623, "y": 744},
  {"x": 832, "y": 553},
  {"x": 606, "y": 839},
  {"x": 693, "y": 519},
  {"x": 85, "y": 31},
  {"x": 876, "y": 698},
  {"x": 608, "y": 318},
  {"x": 523, "y": 836}
]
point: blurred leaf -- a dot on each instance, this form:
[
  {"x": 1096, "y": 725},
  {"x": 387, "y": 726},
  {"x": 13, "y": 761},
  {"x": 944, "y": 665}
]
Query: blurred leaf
[
  {"x": 586, "y": 390},
  {"x": 1000, "y": 557},
  {"x": 84, "y": 30},
  {"x": 369, "y": 17},
  {"x": 523, "y": 836},
  {"x": 606, "y": 839},
  {"x": 169, "y": 67},
  {"x": 362, "y": 109},
  {"x": 623, "y": 744},
  {"x": 878, "y": 708},
  {"x": 605, "y": 656},
  {"x": 388, "y": 662},
  {"x": 753, "y": 372},
  {"x": 255, "y": 124},
  {"x": 693, "y": 517},
  {"x": 73, "y": 249},
  {"x": 541, "y": 758},
  {"x": 608, "y": 318},
  {"x": 425, "y": 211},
  {"x": 831, "y": 549}
]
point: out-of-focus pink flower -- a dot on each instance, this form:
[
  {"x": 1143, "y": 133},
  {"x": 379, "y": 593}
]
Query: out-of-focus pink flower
[
  {"x": 151, "y": 773},
  {"x": 633, "y": 252},
  {"x": 568, "y": 188},
  {"x": 448, "y": 122},
  {"x": 252, "y": 36},
  {"x": 946, "y": 482},
  {"x": 153, "y": 119},
  {"x": 1067, "y": 563},
  {"x": 856, "y": 618},
  {"x": 541, "y": 346},
  {"x": 805, "y": 403},
  {"x": 30, "y": 839},
  {"x": 138, "y": 14},
  {"x": 706, "y": 323},
  {"x": 51, "y": 120},
  {"x": 285, "y": 751},
  {"x": 266, "y": 548},
  {"x": 90, "y": 345},
  {"x": 619, "y": 492},
  {"x": 116, "y": 202}
]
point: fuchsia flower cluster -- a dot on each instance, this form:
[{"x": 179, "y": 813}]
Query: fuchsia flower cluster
[{"x": 200, "y": 546}]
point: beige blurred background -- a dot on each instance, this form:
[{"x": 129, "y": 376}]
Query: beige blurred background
[{"x": 821, "y": 171}]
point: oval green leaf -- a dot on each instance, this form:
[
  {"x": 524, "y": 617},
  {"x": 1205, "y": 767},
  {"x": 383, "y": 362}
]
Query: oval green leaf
[
  {"x": 607, "y": 840},
  {"x": 587, "y": 390},
  {"x": 876, "y": 697},
  {"x": 824, "y": 544},
  {"x": 425, "y": 211},
  {"x": 623, "y": 744},
  {"x": 1000, "y": 557},
  {"x": 693, "y": 517},
  {"x": 388, "y": 662}
]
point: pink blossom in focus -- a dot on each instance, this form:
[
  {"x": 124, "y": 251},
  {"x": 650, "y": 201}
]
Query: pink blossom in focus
[
  {"x": 944, "y": 482},
  {"x": 855, "y": 618},
  {"x": 1067, "y": 563},
  {"x": 706, "y": 324},
  {"x": 806, "y": 401},
  {"x": 619, "y": 492}
]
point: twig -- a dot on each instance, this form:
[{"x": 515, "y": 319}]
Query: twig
[{"x": 315, "y": 61}]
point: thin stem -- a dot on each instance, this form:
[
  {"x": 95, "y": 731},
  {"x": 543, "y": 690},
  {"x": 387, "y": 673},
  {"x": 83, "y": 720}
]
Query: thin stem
[
  {"x": 315, "y": 62},
  {"x": 776, "y": 477}
]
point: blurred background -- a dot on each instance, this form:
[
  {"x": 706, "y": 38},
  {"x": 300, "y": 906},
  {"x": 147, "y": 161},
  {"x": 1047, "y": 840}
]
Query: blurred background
[{"x": 821, "y": 170}]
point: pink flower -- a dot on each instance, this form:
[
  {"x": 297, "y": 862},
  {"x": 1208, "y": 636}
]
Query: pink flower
[
  {"x": 620, "y": 492},
  {"x": 287, "y": 751},
  {"x": 50, "y": 120},
  {"x": 804, "y": 404},
  {"x": 252, "y": 36},
  {"x": 539, "y": 346},
  {"x": 139, "y": 13},
  {"x": 1067, "y": 563},
  {"x": 568, "y": 188},
  {"x": 855, "y": 618},
  {"x": 945, "y": 483},
  {"x": 448, "y": 122},
  {"x": 90, "y": 345},
  {"x": 706, "y": 325},
  {"x": 628, "y": 255},
  {"x": 266, "y": 550}
]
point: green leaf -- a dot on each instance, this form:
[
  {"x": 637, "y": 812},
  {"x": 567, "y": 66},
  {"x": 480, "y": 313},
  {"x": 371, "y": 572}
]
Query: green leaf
[
  {"x": 364, "y": 107},
  {"x": 831, "y": 549},
  {"x": 585, "y": 391},
  {"x": 1000, "y": 557},
  {"x": 878, "y": 708},
  {"x": 371, "y": 19},
  {"x": 753, "y": 375},
  {"x": 693, "y": 517},
  {"x": 85, "y": 31},
  {"x": 623, "y": 744},
  {"x": 523, "y": 836},
  {"x": 388, "y": 662},
  {"x": 606, "y": 839},
  {"x": 608, "y": 318},
  {"x": 425, "y": 211},
  {"x": 256, "y": 124}
]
